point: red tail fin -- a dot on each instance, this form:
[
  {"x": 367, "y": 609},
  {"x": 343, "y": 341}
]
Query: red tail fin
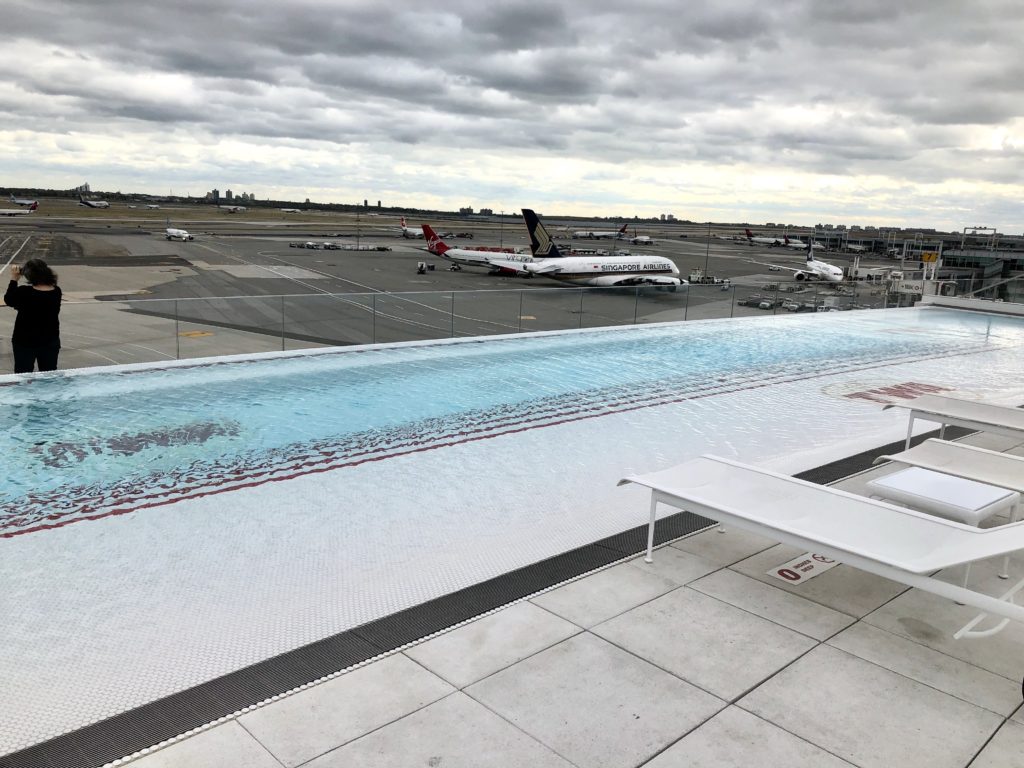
[
  {"x": 403, "y": 225},
  {"x": 434, "y": 243},
  {"x": 748, "y": 233},
  {"x": 622, "y": 229},
  {"x": 33, "y": 206}
]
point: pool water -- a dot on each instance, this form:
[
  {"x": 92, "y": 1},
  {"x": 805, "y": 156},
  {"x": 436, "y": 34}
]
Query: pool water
[{"x": 202, "y": 516}]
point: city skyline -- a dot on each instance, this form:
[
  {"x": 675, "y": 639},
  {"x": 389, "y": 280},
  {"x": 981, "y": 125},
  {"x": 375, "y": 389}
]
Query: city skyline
[{"x": 801, "y": 112}]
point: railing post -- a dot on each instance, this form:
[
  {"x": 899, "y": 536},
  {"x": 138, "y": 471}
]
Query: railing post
[
  {"x": 636, "y": 303},
  {"x": 732, "y": 302},
  {"x": 373, "y": 318},
  {"x": 177, "y": 334},
  {"x": 282, "y": 323},
  {"x": 521, "y": 292},
  {"x": 686, "y": 306},
  {"x": 581, "y": 307},
  {"x": 453, "y": 315}
]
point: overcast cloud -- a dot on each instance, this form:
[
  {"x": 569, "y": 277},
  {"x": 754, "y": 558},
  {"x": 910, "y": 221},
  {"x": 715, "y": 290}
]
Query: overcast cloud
[{"x": 905, "y": 112}]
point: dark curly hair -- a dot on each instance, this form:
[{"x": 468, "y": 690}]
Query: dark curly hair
[{"x": 37, "y": 272}]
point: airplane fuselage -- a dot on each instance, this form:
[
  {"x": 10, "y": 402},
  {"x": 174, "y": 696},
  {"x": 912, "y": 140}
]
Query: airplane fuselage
[{"x": 177, "y": 234}]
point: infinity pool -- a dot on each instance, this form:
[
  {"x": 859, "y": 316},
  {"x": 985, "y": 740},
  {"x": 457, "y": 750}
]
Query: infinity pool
[{"x": 163, "y": 525}]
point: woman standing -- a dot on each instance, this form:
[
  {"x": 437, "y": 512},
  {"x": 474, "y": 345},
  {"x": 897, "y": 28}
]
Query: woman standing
[{"x": 36, "y": 336}]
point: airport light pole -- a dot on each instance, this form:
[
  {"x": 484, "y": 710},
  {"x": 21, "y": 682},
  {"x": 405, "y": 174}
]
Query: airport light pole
[
  {"x": 707, "y": 251},
  {"x": 501, "y": 235}
]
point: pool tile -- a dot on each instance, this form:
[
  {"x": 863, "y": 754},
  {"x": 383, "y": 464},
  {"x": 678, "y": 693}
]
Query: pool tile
[
  {"x": 311, "y": 722},
  {"x": 871, "y": 716},
  {"x": 774, "y": 604},
  {"x": 604, "y": 594},
  {"x": 705, "y": 641},
  {"x": 482, "y": 647},
  {"x": 938, "y": 670},
  {"x": 676, "y": 565},
  {"x": 738, "y": 739},
  {"x": 723, "y": 546},
  {"x": 844, "y": 589},
  {"x": 455, "y": 732},
  {"x": 226, "y": 746},
  {"x": 595, "y": 704}
]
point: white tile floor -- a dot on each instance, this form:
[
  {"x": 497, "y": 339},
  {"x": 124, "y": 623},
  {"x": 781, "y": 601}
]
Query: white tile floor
[{"x": 699, "y": 659}]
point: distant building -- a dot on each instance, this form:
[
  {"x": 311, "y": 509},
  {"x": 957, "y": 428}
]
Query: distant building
[
  {"x": 366, "y": 203},
  {"x": 215, "y": 194},
  {"x": 670, "y": 217},
  {"x": 467, "y": 211},
  {"x": 486, "y": 211},
  {"x": 228, "y": 195},
  {"x": 378, "y": 203}
]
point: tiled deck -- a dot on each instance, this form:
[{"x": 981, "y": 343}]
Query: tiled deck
[{"x": 699, "y": 659}]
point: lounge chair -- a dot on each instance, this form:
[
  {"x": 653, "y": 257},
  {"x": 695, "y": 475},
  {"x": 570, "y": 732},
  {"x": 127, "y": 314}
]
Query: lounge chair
[
  {"x": 897, "y": 543},
  {"x": 998, "y": 419}
]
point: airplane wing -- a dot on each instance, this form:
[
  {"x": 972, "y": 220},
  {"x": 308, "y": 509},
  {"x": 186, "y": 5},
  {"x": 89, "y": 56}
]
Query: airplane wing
[{"x": 777, "y": 266}]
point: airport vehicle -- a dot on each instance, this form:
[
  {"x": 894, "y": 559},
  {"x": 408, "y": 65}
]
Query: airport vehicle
[
  {"x": 93, "y": 203},
  {"x": 408, "y": 231},
  {"x": 605, "y": 271},
  {"x": 592, "y": 235},
  {"x": 773, "y": 242},
  {"x": 232, "y": 208},
  {"x": 812, "y": 270},
  {"x": 19, "y": 211},
  {"x": 177, "y": 234},
  {"x": 468, "y": 257},
  {"x": 23, "y": 201}
]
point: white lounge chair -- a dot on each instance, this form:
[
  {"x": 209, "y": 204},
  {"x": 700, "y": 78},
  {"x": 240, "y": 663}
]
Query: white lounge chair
[
  {"x": 897, "y": 543},
  {"x": 998, "y": 419}
]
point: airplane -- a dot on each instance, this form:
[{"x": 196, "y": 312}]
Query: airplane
[
  {"x": 19, "y": 211},
  {"x": 291, "y": 210},
  {"x": 641, "y": 240},
  {"x": 857, "y": 248},
  {"x": 612, "y": 270},
  {"x": 434, "y": 239},
  {"x": 813, "y": 269},
  {"x": 177, "y": 234},
  {"x": 22, "y": 201},
  {"x": 465, "y": 257},
  {"x": 589, "y": 235},
  {"x": 153, "y": 207},
  {"x": 408, "y": 231},
  {"x": 232, "y": 208},
  {"x": 93, "y": 203},
  {"x": 800, "y": 244},
  {"x": 773, "y": 242}
]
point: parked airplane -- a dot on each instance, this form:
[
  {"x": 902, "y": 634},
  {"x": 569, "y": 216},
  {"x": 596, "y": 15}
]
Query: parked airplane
[
  {"x": 408, "y": 231},
  {"x": 621, "y": 269},
  {"x": 177, "y": 234},
  {"x": 232, "y": 208},
  {"x": 18, "y": 211},
  {"x": 291, "y": 210},
  {"x": 589, "y": 235},
  {"x": 93, "y": 203},
  {"x": 641, "y": 240},
  {"x": 813, "y": 269},
  {"x": 774, "y": 242},
  {"x": 22, "y": 201},
  {"x": 153, "y": 207},
  {"x": 466, "y": 257},
  {"x": 857, "y": 248}
]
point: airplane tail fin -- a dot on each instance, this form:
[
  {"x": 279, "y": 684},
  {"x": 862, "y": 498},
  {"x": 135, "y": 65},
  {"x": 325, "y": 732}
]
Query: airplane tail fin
[
  {"x": 622, "y": 231},
  {"x": 749, "y": 235},
  {"x": 810, "y": 250},
  {"x": 434, "y": 243},
  {"x": 541, "y": 245},
  {"x": 33, "y": 206},
  {"x": 402, "y": 223}
]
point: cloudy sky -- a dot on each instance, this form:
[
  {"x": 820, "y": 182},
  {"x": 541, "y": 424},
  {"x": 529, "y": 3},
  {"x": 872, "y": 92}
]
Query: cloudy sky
[{"x": 889, "y": 112}]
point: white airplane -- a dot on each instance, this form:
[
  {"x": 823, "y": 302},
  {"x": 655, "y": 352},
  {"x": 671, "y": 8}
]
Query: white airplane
[
  {"x": 22, "y": 201},
  {"x": 813, "y": 269},
  {"x": 19, "y": 211},
  {"x": 177, "y": 234},
  {"x": 408, "y": 231},
  {"x": 232, "y": 208},
  {"x": 291, "y": 210},
  {"x": 621, "y": 269},
  {"x": 641, "y": 240},
  {"x": 589, "y": 235},
  {"x": 93, "y": 203},
  {"x": 468, "y": 257},
  {"x": 857, "y": 248},
  {"x": 773, "y": 242},
  {"x": 153, "y": 207}
]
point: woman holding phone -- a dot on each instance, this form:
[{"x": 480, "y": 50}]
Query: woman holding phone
[{"x": 36, "y": 337}]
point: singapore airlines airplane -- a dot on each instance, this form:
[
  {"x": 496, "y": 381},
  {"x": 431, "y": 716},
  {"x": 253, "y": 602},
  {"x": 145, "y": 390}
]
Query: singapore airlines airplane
[
  {"x": 93, "y": 203},
  {"x": 177, "y": 234},
  {"x": 19, "y": 211},
  {"x": 469, "y": 257},
  {"x": 22, "y": 201},
  {"x": 620, "y": 269},
  {"x": 813, "y": 269},
  {"x": 587, "y": 234}
]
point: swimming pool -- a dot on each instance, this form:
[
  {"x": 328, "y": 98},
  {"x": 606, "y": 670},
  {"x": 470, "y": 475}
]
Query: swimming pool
[{"x": 167, "y": 524}]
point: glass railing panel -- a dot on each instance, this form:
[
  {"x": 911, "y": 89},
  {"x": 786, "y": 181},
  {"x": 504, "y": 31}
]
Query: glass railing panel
[
  {"x": 413, "y": 316},
  {"x": 228, "y": 326},
  {"x": 328, "y": 320},
  {"x": 552, "y": 309},
  {"x": 486, "y": 313},
  {"x": 112, "y": 332}
]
